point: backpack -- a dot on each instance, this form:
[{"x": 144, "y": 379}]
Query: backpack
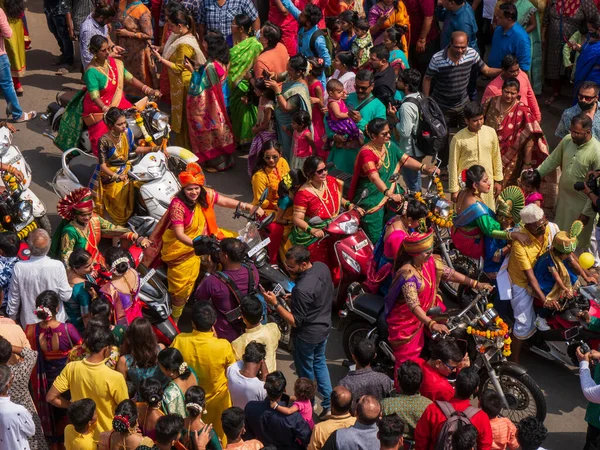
[
  {"x": 454, "y": 421},
  {"x": 432, "y": 131},
  {"x": 330, "y": 48},
  {"x": 235, "y": 315}
]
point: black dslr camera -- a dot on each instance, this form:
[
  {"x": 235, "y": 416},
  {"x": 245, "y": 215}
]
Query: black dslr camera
[{"x": 593, "y": 183}]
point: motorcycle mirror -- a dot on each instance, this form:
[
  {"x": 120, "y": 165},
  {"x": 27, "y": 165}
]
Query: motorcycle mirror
[
  {"x": 263, "y": 196},
  {"x": 436, "y": 310},
  {"x": 364, "y": 194},
  {"x": 268, "y": 220},
  {"x": 315, "y": 221},
  {"x": 394, "y": 178},
  {"x": 354, "y": 289}
]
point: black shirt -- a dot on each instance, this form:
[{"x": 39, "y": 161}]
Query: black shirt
[
  {"x": 385, "y": 85},
  {"x": 311, "y": 304},
  {"x": 274, "y": 428}
]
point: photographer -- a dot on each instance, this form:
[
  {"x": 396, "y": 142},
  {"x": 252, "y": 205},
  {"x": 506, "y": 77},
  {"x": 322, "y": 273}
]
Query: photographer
[
  {"x": 591, "y": 188},
  {"x": 591, "y": 390}
]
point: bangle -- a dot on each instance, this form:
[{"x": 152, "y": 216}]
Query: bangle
[
  {"x": 385, "y": 192},
  {"x": 277, "y": 94},
  {"x": 347, "y": 204},
  {"x": 308, "y": 229},
  {"x": 421, "y": 168},
  {"x": 430, "y": 324}
]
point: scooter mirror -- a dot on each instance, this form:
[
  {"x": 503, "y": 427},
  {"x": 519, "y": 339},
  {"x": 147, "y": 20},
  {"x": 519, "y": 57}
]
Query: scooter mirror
[
  {"x": 436, "y": 310},
  {"x": 315, "y": 221},
  {"x": 354, "y": 289},
  {"x": 394, "y": 178},
  {"x": 263, "y": 196}
]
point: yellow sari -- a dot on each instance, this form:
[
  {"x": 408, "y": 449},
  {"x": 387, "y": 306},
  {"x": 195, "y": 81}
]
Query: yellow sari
[{"x": 114, "y": 197}]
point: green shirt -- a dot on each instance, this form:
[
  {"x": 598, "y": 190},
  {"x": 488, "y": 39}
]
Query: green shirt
[
  {"x": 95, "y": 81},
  {"x": 409, "y": 408}
]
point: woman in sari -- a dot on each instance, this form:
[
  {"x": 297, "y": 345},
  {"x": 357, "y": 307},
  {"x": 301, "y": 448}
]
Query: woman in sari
[
  {"x": 181, "y": 376},
  {"x": 320, "y": 196},
  {"x": 110, "y": 184},
  {"x": 195, "y": 405},
  {"x": 243, "y": 56},
  {"x": 190, "y": 214},
  {"x": 125, "y": 433},
  {"x": 104, "y": 80},
  {"x": 270, "y": 169},
  {"x": 392, "y": 39},
  {"x": 15, "y": 46},
  {"x": 292, "y": 96},
  {"x": 181, "y": 44},
  {"x": 211, "y": 136},
  {"x": 80, "y": 268},
  {"x": 53, "y": 341},
  {"x": 343, "y": 64},
  {"x": 414, "y": 291},
  {"x": 286, "y": 191},
  {"x": 588, "y": 63},
  {"x": 134, "y": 33},
  {"x": 521, "y": 139},
  {"x": 475, "y": 220},
  {"x": 529, "y": 18},
  {"x": 375, "y": 164},
  {"x": 385, "y": 14}
]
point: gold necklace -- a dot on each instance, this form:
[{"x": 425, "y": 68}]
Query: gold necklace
[
  {"x": 318, "y": 190},
  {"x": 107, "y": 71},
  {"x": 328, "y": 192},
  {"x": 382, "y": 155}
]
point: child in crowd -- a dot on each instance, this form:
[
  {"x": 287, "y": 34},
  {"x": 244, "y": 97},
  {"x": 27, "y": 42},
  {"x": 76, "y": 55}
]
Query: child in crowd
[
  {"x": 304, "y": 392},
  {"x": 317, "y": 98},
  {"x": 168, "y": 429},
  {"x": 530, "y": 181},
  {"x": 338, "y": 119},
  {"x": 504, "y": 432},
  {"x": 531, "y": 433},
  {"x": 347, "y": 20},
  {"x": 409, "y": 404},
  {"x": 363, "y": 42},
  {"x": 264, "y": 130},
  {"x": 81, "y": 433},
  {"x": 303, "y": 143}
]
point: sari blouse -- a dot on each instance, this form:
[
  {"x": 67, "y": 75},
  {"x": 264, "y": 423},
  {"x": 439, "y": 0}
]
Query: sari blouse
[
  {"x": 326, "y": 208},
  {"x": 181, "y": 214},
  {"x": 398, "y": 16},
  {"x": 174, "y": 398},
  {"x": 58, "y": 340},
  {"x": 268, "y": 178},
  {"x": 95, "y": 81}
]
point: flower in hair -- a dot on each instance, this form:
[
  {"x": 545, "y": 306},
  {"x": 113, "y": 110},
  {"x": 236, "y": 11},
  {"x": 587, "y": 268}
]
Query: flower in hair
[
  {"x": 196, "y": 407},
  {"x": 45, "y": 310},
  {"x": 182, "y": 368},
  {"x": 123, "y": 259},
  {"x": 463, "y": 176},
  {"x": 121, "y": 423}
]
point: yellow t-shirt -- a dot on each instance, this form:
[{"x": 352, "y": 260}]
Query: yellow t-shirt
[
  {"x": 523, "y": 257},
  {"x": 74, "y": 440},
  {"x": 105, "y": 386},
  {"x": 268, "y": 335}
]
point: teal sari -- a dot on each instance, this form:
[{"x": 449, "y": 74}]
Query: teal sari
[
  {"x": 524, "y": 11},
  {"x": 297, "y": 94}
]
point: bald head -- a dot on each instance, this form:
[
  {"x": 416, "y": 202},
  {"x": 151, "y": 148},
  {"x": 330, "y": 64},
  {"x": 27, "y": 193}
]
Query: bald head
[
  {"x": 39, "y": 242},
  {"x": 368, "y": 410},
  {"x": 341, "y": 400},
  {"x": 459, "y": 36}
]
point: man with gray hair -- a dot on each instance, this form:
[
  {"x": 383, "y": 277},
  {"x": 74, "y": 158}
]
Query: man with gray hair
[
  {"x": 16, "y": 423},
  {"x": 31, "y": 278}
]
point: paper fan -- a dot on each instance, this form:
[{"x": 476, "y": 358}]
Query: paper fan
[{"x": 514, "y": 198}]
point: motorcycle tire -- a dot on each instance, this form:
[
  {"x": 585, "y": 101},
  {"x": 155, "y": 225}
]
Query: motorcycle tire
[
  {"x": 515, "y": 385},
  {"x": 354, "y": 331},
  {"x": 44, "y": 223}
]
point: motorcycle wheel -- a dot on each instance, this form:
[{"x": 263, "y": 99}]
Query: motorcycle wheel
[
  {"x": 524, "y": 396},
  {"x": 44, "y": 223},
  {"x": 354, "y": 332}
]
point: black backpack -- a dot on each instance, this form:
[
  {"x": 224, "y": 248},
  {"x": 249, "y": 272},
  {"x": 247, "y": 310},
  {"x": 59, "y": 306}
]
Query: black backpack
[
  {"x": 455, "y": 420},
  {"x": 432, "y": 131},
  {"x": 235, "y": 315},
  {"x": 330, "y": 48}
]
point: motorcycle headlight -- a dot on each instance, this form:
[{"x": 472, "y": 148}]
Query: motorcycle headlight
[
  {"x": 131, "y": 122},
  {"x": 442, "y": 208},
  {"x": 160, "y": 120},
  {"x": 24, "y": 211},
  {"x": 349, "y": 226}
]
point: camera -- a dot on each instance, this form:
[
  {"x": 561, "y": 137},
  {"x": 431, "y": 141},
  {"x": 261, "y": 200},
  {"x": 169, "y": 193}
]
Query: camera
[
  {"x": 207, "y": 245},
  {"x": 593, "y": 183}
]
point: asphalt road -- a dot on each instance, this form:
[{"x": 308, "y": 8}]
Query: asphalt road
[{"x": 566, "y": 405}]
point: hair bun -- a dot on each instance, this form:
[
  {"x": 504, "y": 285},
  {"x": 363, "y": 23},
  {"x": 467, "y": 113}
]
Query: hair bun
[
  {"x": 121, "y": 424},
  {"x": 154, "y": 398}
]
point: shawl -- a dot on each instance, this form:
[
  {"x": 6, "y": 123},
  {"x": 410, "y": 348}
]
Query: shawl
[{"x": 175, "y": 41}]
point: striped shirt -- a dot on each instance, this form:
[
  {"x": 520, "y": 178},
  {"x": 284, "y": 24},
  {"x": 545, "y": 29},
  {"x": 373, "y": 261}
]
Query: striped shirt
[
  {"x": 219, "y": 18},
  {"x": 452, "y": 79}
]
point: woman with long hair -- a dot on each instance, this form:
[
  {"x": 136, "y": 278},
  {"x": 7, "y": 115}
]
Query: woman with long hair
[
  {"x": 211, "y": 136},
  {"x": 52, "y": 340},
  {"x": 347, "y": 21},
  {"x": 195, "y": 404},
  {"x": 190, "y": 214},
  {"x": 181, "y": 376},
  {"x": 393, "y": 41},
  {"x": 79, "y": 274},
  {"x": 15, "y": 45},
  {"x": 134, "y": 32},
  {"x": 150, "y": 393},
  {"x": 385, "y": 14},
  {"x": 125, "y": 433},
  {"x": 243, "y": 55},
  {"x": 139, "y": 353},
  {"x": 181, "y": 45}
]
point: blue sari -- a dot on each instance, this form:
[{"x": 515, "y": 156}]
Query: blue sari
[
  {"x": 345, "y": 42},
  {"x": 588, "y": 66}
]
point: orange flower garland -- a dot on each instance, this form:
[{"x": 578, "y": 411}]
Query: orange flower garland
[
  {"x": 503, "y": 331},
  {"x": 440, "y": 221}
]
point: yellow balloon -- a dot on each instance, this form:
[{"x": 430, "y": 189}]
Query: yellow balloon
[{"x": 586, "y": 260}]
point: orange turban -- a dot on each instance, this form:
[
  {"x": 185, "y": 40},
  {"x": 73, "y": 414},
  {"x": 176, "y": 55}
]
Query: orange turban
[
  {"x": 80, "y": 200},
  {"x": 192, "y": 175}
]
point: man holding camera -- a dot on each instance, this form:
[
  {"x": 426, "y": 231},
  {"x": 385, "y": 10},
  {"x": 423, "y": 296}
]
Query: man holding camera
[
  {"x": 591, "y": 390},
  {"x": 577, "y": 154}
]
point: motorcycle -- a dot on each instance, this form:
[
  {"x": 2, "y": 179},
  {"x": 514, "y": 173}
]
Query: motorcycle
[
  {"x": 362, "y": 318},
  {"x": 351, "y": 246},
  {"x": 154, "y": 195}
]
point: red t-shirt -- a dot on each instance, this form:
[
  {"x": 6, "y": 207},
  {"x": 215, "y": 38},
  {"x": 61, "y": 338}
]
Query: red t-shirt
[
  {"x": 434, "y": 386},
  {"x": 431, "y": 422}
]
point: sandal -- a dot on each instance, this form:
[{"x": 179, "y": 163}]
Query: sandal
[
  {"x": 551, "y": 100},
  {"x": 20, "y": 92},
  {"x": 26, "y": 117}
]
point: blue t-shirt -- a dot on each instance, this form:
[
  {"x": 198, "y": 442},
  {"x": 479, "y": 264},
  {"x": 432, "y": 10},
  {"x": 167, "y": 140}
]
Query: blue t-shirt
[{"x": 544, "y": 277}]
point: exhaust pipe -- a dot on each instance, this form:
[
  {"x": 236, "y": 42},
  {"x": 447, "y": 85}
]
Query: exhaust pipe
[
  {"x": 44, "y": 116},
  {"x": 49, "y": 136}
]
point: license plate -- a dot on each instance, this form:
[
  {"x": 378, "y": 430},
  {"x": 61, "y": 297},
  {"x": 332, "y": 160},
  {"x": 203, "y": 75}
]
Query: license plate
[
  {"x": 361, "y": 244},
  {"x": 169, "y": 190},
  {"x": 259, "y": 247},
  {"x": 149, "y": 275}
]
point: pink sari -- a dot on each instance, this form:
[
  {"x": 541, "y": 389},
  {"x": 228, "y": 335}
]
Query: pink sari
[{"x": 409, "y": 289}]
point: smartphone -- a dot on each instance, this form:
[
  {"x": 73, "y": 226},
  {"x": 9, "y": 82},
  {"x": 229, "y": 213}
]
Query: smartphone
[
  {"x": 277, "y": 289},
  {"x": 188, "y": 60},
  {"x": 266, "y": 75}
]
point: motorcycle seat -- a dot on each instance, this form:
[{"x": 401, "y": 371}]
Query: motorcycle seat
[
  {"x": 369, "y": 304},
  {"x": 83, "y": 168},
  {"x": 66, "y": 97}
]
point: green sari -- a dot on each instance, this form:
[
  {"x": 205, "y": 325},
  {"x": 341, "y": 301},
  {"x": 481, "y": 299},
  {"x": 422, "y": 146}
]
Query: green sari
[
  {"x": 174, "y": 398},
  {"x": 386, "y": 164},
  {"x": 297, "y": 94},
  {"x": 71, "y": 123},
  {"x": 524, "y": 11},
  {"x": 243, "y": 115}
]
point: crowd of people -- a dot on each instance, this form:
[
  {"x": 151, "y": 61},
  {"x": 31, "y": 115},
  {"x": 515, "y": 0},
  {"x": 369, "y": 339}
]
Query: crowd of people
[{"x": 374, "y": 88}]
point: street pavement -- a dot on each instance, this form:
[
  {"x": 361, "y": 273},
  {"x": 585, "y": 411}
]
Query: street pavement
[{"x": 566, "y": 404}]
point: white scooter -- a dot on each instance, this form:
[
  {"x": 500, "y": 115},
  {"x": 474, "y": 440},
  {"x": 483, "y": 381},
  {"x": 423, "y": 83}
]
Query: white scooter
[
  {"x": 159, "y": 184},
  {"x": 12, "y": 156}
]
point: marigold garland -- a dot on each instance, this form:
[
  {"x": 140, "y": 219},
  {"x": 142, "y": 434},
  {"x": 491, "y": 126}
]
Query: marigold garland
[
  {"x": 440, "y": 221},
  {"x": 503, "y": 331}
]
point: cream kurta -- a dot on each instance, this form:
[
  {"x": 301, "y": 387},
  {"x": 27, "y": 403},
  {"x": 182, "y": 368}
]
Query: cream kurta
[
  {"x": 575, "y": 162},
  {"x": 466, "y": 150}
]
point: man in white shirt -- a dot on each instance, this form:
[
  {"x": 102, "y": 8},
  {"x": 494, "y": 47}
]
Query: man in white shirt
[
  {"x": 246, "y": 378},
  {"x": 16, "y": 423},
  {"x": 591, "y": 390},
  {"x": 31, "y": 278}
]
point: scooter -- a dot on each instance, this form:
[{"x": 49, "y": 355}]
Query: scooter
[
  {"x": 159, "y": 184},
  {"x": 351, "y": 245}
]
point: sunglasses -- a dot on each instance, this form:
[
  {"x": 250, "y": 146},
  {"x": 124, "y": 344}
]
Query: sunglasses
[
  {"x": 361, "y": 88},
  {"x": 587, "y": 98},
  {"x": 322, "y": 171},
  {"x": 274, "y": 158},
  {"x": 450, "y": 368}
]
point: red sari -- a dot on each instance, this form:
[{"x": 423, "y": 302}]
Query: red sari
[
  {"x": 111, "y": 95},
  {"x": 326, "y": 207}
]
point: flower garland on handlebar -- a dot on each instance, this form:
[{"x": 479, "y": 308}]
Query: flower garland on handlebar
[
  {"x": 489, "y": 334},
  {"x": 435, "y": 218}
]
